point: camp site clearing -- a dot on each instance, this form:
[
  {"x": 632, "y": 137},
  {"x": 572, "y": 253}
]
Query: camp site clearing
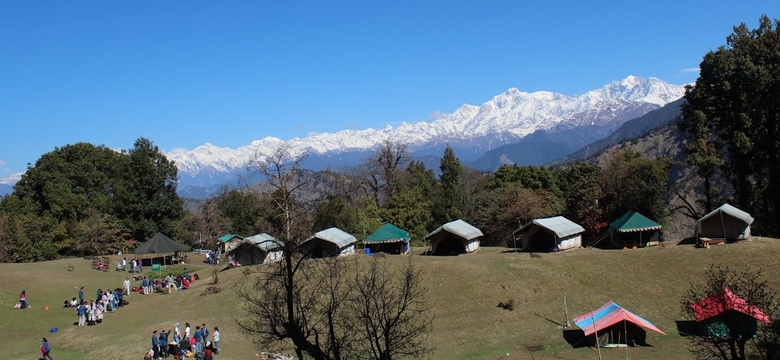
[{"x": 464, "y": 292}]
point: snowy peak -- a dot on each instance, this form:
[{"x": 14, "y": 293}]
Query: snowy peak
[
  {"x": 11, "y": 180},
  {"x": 510, "y": 115}
]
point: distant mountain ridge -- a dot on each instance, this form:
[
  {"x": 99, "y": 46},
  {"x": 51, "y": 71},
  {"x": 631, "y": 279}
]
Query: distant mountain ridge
[{"x": 471, "y": 130}]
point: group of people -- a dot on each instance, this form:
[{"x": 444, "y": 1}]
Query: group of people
[
  {"x": 185, "y": 344},
  {"x": 135, "y": 265},
  {"x": 91, "y": 313},
  {"x": 149, "y": 285}
]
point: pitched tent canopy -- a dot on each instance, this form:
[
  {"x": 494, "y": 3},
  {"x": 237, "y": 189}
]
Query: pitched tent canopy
[
  {"x": 633, "y": 227},
  {"x": 726, "y": 222},
  {"x": 258, "y": 249},
  {"x": 633, "y": 221},
  {"x": 454, "y": 237},
  {"x": 614, "y": 325},
  {"x": 330, "y": 242},
  {"x": 159, "y": 244},
  {"x": 550, "y": 234},
  {"x": 724, "y": 301},
  {"x": 388, "y": 238},
  {"x": 229, "y": 242}
]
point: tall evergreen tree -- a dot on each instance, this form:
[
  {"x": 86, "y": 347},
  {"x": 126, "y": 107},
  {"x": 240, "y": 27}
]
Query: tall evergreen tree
[
  {"x": 449, "y": 207},
  {"x": 735, "y": 98},
  {"x": 149, "y": 203}
]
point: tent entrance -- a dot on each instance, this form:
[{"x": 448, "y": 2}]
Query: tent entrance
[
  {"x": 321, "y": 249},
  {"x": 541, "y": 240},
  {"x": 623, "y": 333},
  {"x": 393, "y": 248},
  {"x": 450, "y": 245}
]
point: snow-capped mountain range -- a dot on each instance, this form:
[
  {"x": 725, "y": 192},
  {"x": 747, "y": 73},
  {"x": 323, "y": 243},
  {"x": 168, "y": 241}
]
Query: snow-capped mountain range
[{"x": 471, "y": 130}]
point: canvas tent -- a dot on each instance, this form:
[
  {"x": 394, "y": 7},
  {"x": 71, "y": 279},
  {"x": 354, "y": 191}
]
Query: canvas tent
[
  {"x": 634, "y": 229},
  {"x": 726, "y": 315},
  {"x": 726, "y": 222},
  {"x": 329, "y": 243},
  {"x": 389, "y": 239},
  {"x": 614, "y": 325},
  {"x": 257, "y": 249},
  {"x": 549, "y": 234},
  {"x": 160, "y": 244},
  {"x": 453, "y": 238},
  {"x": 229, "y": 242}
]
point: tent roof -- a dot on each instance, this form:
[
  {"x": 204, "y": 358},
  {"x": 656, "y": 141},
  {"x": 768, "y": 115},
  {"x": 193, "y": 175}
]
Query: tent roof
[
  {"x": 159, "y": 243},
  {"x": 723, "y": 301},
  {"x": 388, "y": 233},
  {"x": 731, "y": 211},
  {"x": 561, "y": 226},
  {"x": 608, "y": 315},
  {"x": 334, "y": 235},
  {"x": 459, "y": 228},
  {"x": 227, "y": 237},
  {"x": 263, "y": 241},
  {"x": 633, "y": 221}
]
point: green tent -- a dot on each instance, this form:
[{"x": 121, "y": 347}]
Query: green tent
[
  {"x": 634, "y": 229},
  {"x": 388, "y": 238}
]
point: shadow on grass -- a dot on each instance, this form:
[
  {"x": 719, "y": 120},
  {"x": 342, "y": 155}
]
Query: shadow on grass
[
  {"x": 686, "y": 327},
  {"x": 687, "y": 241},
  {"x": 576, "y": 338}
]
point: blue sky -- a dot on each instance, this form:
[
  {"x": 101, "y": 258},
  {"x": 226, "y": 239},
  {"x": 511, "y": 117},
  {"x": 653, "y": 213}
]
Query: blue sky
[{"x": 183, "y": 73}]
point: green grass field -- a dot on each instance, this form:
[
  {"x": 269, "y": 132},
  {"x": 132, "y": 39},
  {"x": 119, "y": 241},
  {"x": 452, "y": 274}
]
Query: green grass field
[{"x": 464, "y": 292}]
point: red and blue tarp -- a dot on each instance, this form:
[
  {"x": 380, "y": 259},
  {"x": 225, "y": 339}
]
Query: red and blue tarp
[{"x": 608, "y": 315}]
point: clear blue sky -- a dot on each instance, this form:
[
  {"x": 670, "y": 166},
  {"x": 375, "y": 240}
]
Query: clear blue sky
[{"x": 183, "y": 73}]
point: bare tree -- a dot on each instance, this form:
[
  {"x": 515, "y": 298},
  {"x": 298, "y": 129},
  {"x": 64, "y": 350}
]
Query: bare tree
[
  {"x": 734, "y": 339},
  {"x": 383, "y": 169},
  {"x": 392, "y": 311},
  {"x": 310, "y": 302}
]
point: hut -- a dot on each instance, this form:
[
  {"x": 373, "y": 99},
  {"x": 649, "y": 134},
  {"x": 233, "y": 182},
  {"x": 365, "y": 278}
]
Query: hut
[
  {"x": 228, "y": 242},
  {"x": 257, "y": 249},
  {"x": 725, "y": 315},
  {"x": 614, "y": 326},
  {"x": 453, "y": 238},
  {"x": 329, "y": 243},
  {"x": 549, "y": 234},
  {"x": 389, "y": 239},
  {"x": 724, "y": 224},
  {"x": 634, "y": 229}
]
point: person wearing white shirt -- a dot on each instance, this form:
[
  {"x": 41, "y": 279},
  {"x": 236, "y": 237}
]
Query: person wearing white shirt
[
  {"x": 215, "y": 339},
  {"x": 126, "y": 285}
]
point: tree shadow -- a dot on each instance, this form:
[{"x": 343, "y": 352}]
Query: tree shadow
[{"x": 687, "y": 241}]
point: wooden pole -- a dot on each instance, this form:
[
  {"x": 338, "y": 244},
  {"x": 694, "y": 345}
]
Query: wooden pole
[
  {"x": 625, "y": 335},
  {"x": 595, "y": 332},
  {"x": 565, "y": 309}
]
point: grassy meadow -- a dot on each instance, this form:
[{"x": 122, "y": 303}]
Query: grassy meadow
[{"x": 464, "y": 292}]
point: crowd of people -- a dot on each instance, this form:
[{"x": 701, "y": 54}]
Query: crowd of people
[
  {"x": 91, "y": 313},
  {"x": 200, "y": 344}
]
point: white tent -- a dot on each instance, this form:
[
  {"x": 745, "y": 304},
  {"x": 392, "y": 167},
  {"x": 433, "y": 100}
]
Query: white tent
[
  {"x": 550, "y": 234},
  {"x": 454, "y": 237},
  {"x": 328, "y": 243},
  {"x": 726, "y": 222},
  {"x": 258, "y": 249}
]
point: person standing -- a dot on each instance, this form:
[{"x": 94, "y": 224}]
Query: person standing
[
  {"x": 198, "y": 339},
  {"x": 215, "y": 340},
  {"x": 132, "y": 266},
  {"x": 124, "y": 264},
  {"x": 144, "y": 284},
  {"x": 82, "y": 312},
  {"x": 155, "y": 344},
  {"x": 81, "y": 295},
  {"x": 204, "y": 333},
  {"x": 126, "y": 285},
  {"x": 187, "y": 331},
  {"x": 45, "y": 350}
]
